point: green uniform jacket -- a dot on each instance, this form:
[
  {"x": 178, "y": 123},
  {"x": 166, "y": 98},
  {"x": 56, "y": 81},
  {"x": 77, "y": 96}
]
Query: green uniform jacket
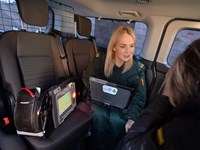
[{"x": 133, "y": 78}]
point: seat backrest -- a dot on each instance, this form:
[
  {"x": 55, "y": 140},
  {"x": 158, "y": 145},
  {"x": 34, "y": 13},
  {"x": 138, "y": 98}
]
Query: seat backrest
[
  {"x": 80, "y": 52},
  {"x": 26, "y": 58}
]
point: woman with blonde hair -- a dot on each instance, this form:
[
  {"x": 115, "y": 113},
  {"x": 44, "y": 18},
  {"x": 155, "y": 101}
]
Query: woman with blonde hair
[
  {"x": 119, "y": 66},
  {"x": 172, "y": 121}
]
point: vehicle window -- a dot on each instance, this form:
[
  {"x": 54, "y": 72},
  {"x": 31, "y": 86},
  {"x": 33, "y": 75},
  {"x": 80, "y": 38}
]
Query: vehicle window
[
  {"x": 64, "y": 17},
  {"x": 103, "y": 28},
  {"x": 181, "y": 41},
  {"x": 10, "y": 19}
]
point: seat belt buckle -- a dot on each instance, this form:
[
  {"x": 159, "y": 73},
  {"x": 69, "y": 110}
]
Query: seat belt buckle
[
  {"x": 97, "y": 55},
  {"x": 6, "y": 121}
]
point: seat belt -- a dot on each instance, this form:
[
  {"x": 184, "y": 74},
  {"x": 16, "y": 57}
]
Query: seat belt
[
  {"x": 95, "y": 48},
  {"x": 63, "y": 55},
  {"x": 6, "y": 123}
]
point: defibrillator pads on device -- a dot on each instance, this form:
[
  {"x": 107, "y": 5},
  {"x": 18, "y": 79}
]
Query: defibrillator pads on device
[
  {"x": 32, "y": 108},
  {"x": 29, "y": 116}
]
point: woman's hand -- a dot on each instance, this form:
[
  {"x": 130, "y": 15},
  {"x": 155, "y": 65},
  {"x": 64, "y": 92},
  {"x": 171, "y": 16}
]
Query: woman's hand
[{"x": 128, "y": 125}]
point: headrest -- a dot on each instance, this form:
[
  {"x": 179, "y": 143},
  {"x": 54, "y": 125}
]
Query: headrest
[
  {"x": 83, "y": 25},
  {"x": 33, "y": 12}
]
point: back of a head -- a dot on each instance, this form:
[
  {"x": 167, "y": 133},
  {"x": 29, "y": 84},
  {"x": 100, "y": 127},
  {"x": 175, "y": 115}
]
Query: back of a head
[{"x": 183, "y": 77}]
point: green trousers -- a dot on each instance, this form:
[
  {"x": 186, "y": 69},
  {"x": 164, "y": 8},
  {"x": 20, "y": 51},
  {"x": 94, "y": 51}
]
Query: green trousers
[{"x": 109, "y": 127}]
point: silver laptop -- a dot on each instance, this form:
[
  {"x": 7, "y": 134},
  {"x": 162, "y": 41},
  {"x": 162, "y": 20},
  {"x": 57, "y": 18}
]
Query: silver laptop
[{"x": 109, "y": 94}]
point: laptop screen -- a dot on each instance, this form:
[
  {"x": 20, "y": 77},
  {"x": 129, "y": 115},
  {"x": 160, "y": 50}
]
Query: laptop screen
[{"x": 111, "y": 94}]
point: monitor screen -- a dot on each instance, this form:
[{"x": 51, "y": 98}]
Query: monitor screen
[
  {"x": 64, "y": 102},
  {"x": 63, "y": 98}
]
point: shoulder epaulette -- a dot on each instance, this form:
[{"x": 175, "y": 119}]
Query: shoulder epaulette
[{"x": 141, "y": 65}]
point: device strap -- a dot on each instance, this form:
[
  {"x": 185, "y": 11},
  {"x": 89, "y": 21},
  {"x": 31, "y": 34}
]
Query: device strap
[{"x": 29, "y": 91}]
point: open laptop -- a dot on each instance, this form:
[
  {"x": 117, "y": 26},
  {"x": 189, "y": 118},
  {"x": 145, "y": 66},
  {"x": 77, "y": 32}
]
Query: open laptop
[{"x": 109, "y": 94}]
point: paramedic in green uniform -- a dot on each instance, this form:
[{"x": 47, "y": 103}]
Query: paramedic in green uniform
[{"x": 120, "y": 66}]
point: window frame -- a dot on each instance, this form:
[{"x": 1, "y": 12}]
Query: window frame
[{"x": 171, "y": 32}]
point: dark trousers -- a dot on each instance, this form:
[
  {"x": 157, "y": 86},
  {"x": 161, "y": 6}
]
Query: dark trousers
[{"x": 108, "y": 127}]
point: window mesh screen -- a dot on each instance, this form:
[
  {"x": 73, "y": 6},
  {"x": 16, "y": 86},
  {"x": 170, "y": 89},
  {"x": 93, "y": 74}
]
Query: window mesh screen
[
  {"x": 64, "y": 17},
  {"x": 10, "y": 19}
]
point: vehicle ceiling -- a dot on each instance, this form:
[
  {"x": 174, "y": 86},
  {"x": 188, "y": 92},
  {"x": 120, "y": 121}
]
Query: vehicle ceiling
[{"x": 189, "y": 9}]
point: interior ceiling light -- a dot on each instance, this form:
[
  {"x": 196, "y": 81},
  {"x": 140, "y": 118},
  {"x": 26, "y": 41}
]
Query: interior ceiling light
[
  {"x": 129, "y": 15},
  {"x": 143, "y": 1}
]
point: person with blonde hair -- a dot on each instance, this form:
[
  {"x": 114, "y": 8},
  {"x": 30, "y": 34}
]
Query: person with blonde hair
[
  {"x": 119, "y": 66},
  {"x": 172, "y": 121}
]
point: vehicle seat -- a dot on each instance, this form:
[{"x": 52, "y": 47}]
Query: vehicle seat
[
  {"x": 32, "y": 59},
  {"x": 80, "y": 51}
]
